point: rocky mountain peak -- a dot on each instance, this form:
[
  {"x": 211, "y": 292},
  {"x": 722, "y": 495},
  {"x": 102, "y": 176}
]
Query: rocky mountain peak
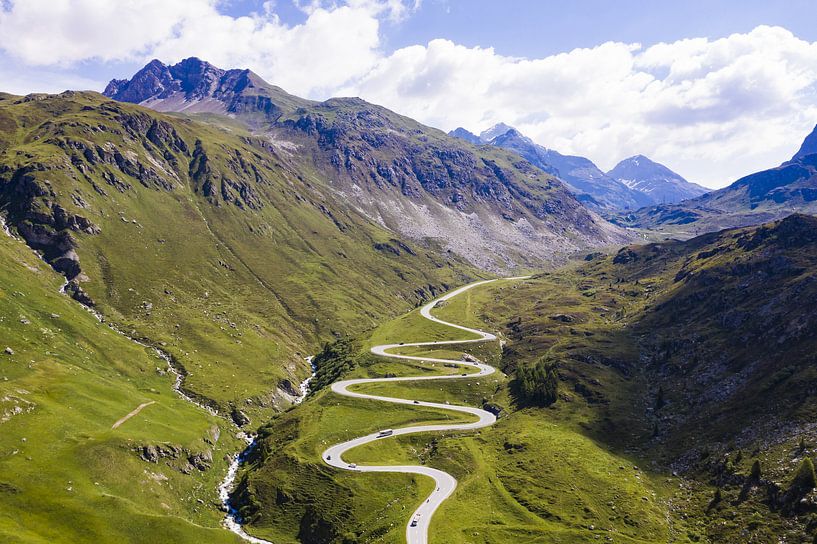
[
  {"x": 196, "y": 86},
  {"x": 466, "y": 135},
  {"x": 809, "y": 146},
  {"x": 496, "y": 130},
  {"x": 152, "y": 80},
  {"x": 639, "y": 167},
  {"x": 654, "y": 179}
]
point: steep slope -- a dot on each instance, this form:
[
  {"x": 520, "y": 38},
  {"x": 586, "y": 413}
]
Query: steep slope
[
  {"x": 482, "y": 204},
  {"x": 656, "y": 180},
  {"x": 66, "y": 474},
  {"x": 756, "y": 198},
  {"x": 203, "y": 239},
  {"x": 586, "y": 181},
  {"x": 716, "y": 332}
]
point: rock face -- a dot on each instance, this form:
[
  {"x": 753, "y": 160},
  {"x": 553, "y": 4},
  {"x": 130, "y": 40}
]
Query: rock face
[
  {"x": 50, "y": 225},
  {"x": 487, "y": 206},
  {"x": 661, "y": 184},
  {"x": 176, "y": 457},
  {"x": 196, "y": 86}
]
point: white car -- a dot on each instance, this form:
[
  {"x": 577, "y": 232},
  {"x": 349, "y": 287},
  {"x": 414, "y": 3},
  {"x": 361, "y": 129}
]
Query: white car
[
  {"x": 352, "y": 465},
  {"x": 415, "y": 521}
]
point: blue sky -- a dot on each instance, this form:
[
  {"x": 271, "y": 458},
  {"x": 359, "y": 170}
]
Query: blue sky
[
  {"x": 715, "y": 90},
  {"x": 538, "y": 28}
]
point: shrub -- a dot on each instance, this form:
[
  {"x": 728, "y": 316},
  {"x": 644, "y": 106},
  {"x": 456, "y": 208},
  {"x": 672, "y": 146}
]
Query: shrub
[
  {"x": 805, "y": 479},
  {"x": 335, "y": 360}
]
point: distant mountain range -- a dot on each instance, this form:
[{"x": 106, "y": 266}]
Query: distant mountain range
[
  {"x": 763, "y": 196},
  {"x": 661, "y": 184},
  {"x": 634, "y": 183}
]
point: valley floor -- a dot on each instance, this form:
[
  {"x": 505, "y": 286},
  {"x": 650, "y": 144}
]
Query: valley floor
[
  {"x": 612, "y": 422},
  {"x": 535, "y": 476}
]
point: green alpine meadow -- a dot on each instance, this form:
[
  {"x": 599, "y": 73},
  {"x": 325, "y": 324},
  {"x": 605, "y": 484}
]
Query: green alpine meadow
[{"x": 344, "y": 272}]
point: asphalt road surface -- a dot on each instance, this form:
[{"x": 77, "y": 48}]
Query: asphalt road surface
[{"x": 418, "y": 534}]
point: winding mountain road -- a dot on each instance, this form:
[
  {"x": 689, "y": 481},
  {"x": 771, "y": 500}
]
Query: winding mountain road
[{"x": 418, "y": 533}]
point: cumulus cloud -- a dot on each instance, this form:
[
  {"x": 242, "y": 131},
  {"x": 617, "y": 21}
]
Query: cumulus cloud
[
  {"x": 712, "y": 109},
  {"x": 334, "y": 44}
]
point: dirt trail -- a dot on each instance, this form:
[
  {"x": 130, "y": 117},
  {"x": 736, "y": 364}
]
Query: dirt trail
[{"x": 132, "y": 413}]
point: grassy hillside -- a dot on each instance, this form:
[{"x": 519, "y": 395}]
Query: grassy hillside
[
  {"x": 66, "y": 475},
  {"x": 488, "y": 206},
  {"x": 203, "y": 239},
  {"x": 696, "y": 358},
  {"x": 534, "y": 476},
  {"x": 684, "y": 406}
]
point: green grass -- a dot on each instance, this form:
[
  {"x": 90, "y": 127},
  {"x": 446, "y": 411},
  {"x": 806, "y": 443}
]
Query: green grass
[
  {"x": 238, "y": 294},
  {"x": 535, "y": 476},
  {"x": 65, "y": 475}
]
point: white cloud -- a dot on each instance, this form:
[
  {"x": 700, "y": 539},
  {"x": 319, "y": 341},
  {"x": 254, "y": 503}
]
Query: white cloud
[
  {"x": 334, "y": 44},
  {"x": 711, "y": 109},
  {"x": 46, "y": 32}
]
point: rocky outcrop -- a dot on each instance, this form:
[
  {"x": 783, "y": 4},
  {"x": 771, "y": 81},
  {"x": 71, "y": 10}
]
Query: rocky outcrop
[
  {"x": 44, "y": 224},
  {"x": 177, "y": 457},
  {"x": 148, "y": 153},
  {"x": 222, "y": 188}
]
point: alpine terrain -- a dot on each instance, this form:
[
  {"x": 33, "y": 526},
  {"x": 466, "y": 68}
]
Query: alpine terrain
[
  {"x": 634, "y": 183},
  {"x": 753, "y": 199},
  {"x": 220, "y": 242},
  {"x": 231, "y": 314}
]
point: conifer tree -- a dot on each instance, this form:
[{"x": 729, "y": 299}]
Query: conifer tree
[{"x": 754, "y": 474}]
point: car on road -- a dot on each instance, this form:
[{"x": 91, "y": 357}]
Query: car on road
[
  {"x": 416, "y": 402},
  {"x": 415, "y": 520},
  {"x": 352, "y": 465},
  {"x": 385, "y": 432}
]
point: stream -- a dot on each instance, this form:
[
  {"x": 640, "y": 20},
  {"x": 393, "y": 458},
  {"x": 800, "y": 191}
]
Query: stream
[{"x": 232, "y": 520}]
